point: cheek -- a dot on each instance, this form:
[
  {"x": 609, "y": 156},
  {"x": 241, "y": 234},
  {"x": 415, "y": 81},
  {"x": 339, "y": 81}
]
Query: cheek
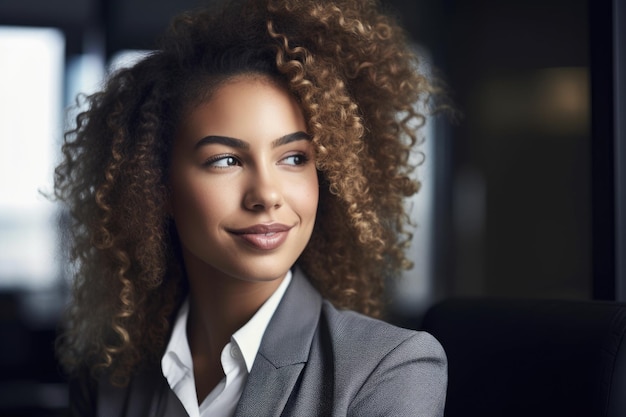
[
  {"x": 198, "y": 201},
  {"x": 307, "y": 196}
]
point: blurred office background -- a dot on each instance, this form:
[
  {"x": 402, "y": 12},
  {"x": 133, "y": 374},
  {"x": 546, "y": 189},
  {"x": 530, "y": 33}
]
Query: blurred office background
[{"x": 522, "y": 197}]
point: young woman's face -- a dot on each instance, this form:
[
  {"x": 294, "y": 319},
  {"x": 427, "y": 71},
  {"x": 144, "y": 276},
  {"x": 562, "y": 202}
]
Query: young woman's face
[{"x": 244, "y": 188}]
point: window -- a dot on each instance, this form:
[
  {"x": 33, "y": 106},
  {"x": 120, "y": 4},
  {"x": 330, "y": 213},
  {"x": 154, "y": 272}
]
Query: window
[{"x": 31, "y": 80}]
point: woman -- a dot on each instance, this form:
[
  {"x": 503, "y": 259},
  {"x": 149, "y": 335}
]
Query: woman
[{"x": 234, "y": 194}]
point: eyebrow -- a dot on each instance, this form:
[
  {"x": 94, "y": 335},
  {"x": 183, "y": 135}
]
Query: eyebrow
[
  {"x": 241, "y": 144},
  {"x": 292, "y": 137}
]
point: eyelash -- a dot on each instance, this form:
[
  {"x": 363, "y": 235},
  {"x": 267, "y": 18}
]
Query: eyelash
[
  {"x": 303, "y": 158},
  {"x": 216, "y": 158}
]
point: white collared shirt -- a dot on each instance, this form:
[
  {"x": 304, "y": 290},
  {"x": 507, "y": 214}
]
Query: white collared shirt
[{"x": 237, "y": 359}]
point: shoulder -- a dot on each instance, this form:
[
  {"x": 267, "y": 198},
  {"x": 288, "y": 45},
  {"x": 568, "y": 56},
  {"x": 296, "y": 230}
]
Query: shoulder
[
  {"x": 147, "y": 393},
  {"x": 369, "y": 336},
  {"x": 82, "y": 387},
  {"x": 383, "y": 369}
]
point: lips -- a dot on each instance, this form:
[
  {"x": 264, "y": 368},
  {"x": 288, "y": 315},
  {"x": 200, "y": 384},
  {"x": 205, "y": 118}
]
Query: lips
[{"x": 263, "y": 236}]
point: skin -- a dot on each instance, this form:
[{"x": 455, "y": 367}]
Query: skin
[{"x": 239, "y": 161}]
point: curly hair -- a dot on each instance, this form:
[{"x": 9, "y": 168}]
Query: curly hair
[{"x": 353, "y": 73}]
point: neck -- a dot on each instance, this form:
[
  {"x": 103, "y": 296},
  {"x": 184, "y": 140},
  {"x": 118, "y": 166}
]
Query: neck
[
  {"x": 220, "y": 305},
  {"x": 218, "y": 309}
]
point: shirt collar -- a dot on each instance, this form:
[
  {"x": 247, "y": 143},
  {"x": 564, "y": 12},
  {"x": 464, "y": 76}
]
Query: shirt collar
[{"x": 176, "y": 362}]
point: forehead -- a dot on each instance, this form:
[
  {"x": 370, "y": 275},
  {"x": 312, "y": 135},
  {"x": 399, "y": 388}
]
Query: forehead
[
  {"x": 248, "y": 89},
  {"x": 242, "y": 107}
]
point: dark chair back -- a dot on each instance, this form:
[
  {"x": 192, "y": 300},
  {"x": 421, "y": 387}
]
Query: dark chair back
[{"x": 532, "y": 357}]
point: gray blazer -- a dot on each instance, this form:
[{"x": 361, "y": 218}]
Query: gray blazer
[{"x": 314, "y": 360}]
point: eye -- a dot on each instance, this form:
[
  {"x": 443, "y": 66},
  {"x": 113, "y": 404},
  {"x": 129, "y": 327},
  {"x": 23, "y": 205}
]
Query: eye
[
  {"x": 295, "y": 160},
  {"x": 222, "y": 161}
]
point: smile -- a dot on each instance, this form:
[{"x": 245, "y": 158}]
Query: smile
[{"x": 263, "y": 236}]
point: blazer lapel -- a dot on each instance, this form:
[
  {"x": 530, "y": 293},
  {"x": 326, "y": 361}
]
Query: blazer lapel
[{"x": 283, "y": 352}]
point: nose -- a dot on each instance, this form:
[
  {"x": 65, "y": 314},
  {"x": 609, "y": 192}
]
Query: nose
[{"x": 263, "y": 192}]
